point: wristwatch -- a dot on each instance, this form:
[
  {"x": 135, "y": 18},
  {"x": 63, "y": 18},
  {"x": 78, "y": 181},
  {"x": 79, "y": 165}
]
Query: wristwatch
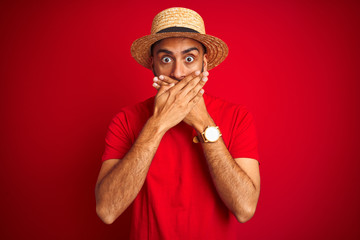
[{"x": 210, "y": 134}]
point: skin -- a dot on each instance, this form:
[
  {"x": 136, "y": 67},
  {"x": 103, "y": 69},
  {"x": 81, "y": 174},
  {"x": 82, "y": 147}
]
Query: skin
[{"x": 177, "y": 62}]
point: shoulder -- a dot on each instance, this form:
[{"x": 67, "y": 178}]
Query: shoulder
[
  {"x": 133, "y": 116},
  {"x": 139, "y": 109},
  {"x": 130, "y": 119},
  {"x": 222, "y": 106}
]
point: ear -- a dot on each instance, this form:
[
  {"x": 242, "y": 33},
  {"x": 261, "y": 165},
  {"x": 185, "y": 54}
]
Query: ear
[
  {"x": 205, "y": 62},
  {"x": 152, "y": 62},
  {"x": 152, "y": 65}
]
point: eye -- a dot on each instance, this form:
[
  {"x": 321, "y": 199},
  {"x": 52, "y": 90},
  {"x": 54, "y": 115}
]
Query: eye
[
  {"x": 189, "y": 59},
  {"x": 166, "y": 59}
]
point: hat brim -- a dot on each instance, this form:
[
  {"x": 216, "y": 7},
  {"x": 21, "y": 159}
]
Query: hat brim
[{"x": 216, "y": 49}]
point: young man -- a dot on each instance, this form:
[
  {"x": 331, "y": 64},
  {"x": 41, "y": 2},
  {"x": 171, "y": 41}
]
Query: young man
[{"x": 186, "y": 160}]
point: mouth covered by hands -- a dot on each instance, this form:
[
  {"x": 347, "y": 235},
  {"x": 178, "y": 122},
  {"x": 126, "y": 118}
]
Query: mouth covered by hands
[
  {"x": 163, "y": 80},
  {"x": 196, "y": 114}
]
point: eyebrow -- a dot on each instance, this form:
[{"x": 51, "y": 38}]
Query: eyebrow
[{"x": 183, "y": 52}]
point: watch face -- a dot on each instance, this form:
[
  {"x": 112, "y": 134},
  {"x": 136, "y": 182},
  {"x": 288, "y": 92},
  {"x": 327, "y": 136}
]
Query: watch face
[{"x": 212, "y": 134}]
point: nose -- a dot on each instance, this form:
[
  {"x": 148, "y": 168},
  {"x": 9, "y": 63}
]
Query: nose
[{"x": 178, "y": 71}]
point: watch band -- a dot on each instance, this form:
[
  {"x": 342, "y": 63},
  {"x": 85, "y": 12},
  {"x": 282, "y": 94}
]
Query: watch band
[{"x": 196, "y": 139}]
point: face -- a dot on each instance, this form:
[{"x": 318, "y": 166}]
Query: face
[{"x": 178, "y": 57}]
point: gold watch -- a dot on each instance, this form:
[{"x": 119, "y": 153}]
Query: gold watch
[{"x": 211, "y": 134}]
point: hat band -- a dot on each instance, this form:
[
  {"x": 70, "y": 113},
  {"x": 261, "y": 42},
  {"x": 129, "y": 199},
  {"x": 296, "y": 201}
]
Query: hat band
[{"x": 177, "y": 29}]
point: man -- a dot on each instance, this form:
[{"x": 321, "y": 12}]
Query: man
[{"x": 186, "y": 160}]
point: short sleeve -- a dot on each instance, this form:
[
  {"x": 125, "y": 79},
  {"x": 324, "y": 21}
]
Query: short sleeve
[
  {"x": 117, "y": 140},
  {"x": 244, "y": 142}
]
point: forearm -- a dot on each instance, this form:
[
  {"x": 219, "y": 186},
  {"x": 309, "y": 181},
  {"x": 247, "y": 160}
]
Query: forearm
[
  {"x": 116, "y": 191},
  {"x": 234, "y": 186}
]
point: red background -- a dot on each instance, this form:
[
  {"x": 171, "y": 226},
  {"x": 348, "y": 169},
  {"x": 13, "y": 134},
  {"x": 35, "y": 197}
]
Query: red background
[{"x": 66, "y": 69}]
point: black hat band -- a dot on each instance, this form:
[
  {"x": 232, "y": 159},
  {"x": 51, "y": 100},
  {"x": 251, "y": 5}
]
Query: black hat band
[{"x": 177, "y": 29}]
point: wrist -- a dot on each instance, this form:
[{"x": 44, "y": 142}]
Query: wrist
[
  {"x": 205, "y": 122},
  {"x": 158, "y": 129}
]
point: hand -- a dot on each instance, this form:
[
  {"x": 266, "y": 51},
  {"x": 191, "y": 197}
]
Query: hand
[
  {"x": 198, "y": 117},
  {"x": 173, "y": 101}
]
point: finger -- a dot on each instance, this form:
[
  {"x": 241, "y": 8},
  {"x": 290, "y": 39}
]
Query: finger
[
  {"x": 206, "y": 73},
  {"x": 164, "y": 89},
  {"x": 196, "y": 98},
  {"x": 194, "y": 86},
  {"x": 160, "y": 82},
  {"x": 184, "y": 82},
  {"x": 196, "y": 89},
  {"x": 156, "y": 86},
  {"x": 167, "y": 79}
]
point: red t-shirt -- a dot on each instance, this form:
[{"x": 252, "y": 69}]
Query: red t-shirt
[{"x": 178, "y": 199}]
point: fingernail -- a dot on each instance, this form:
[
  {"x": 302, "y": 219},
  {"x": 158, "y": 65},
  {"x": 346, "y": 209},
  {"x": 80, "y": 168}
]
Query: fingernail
[
  {"x": 156, "y": 79},
  {"x": 202, "y": 91},
  {"x": 197, "y": 73},
  {"x": 172, "y": 84},
  {"x": 155, "y": 85},
  {"x": 205, "y": 74},
  {"x": 204, "y": 79},
  {"x": 161, "y": 77}
]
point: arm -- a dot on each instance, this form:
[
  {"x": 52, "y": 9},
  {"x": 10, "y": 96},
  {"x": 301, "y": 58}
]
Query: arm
[
  {"x": 236, "y": 180},
  {"x": 119, "y": 184},
  {"x": 120, "y": 181}
]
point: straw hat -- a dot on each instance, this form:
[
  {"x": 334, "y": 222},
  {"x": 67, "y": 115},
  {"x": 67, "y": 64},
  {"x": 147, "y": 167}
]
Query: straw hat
[{"x": 179, "y": 22}]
